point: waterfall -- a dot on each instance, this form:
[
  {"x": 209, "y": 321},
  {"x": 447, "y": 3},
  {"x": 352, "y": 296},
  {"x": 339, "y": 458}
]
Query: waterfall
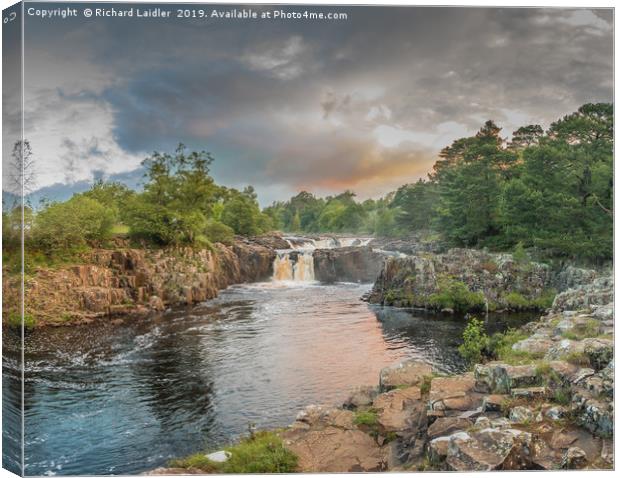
[
  {"x": 297, "y": 263},
  {"x": 297, "y": 266}
]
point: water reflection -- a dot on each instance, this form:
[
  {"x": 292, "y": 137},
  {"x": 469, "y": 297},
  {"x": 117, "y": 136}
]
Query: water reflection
[{"x": 123, "y": 399}]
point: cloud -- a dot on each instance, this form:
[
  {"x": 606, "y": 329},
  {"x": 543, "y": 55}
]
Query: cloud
[{"x": 365, "y": 104}]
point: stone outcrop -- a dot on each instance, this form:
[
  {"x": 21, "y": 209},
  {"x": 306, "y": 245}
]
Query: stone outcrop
[
  {"x": 406, "y": 373},
  {"x": 596, "y": 292},
  {"x": 127, "y": 280},
  {"x": 506, "y": 283},
  {"x": 348, "y": 264},
  {"x": 327, "y": 440}
]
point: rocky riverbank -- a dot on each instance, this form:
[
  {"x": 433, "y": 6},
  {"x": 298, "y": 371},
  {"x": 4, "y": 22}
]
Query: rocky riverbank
[
  {"x": 554, "y": 410},
  {"x": 549, "y": 408},
  {"x": 126, "y": 280},
  {"x": 466, "y": 279}
]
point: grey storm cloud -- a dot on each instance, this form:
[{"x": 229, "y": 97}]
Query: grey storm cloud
[{"x": 364, "y": 103}]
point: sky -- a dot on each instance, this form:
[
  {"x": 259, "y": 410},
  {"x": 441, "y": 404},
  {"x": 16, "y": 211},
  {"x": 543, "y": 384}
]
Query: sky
[{"x": 363, "y": 104}]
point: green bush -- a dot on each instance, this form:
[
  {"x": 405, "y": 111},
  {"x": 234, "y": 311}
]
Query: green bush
[
  {"x": 475, "y": 341},
  {"x": 216, "y": 231},
  {"x": 516, "y": 301},
  {"x": 262, "y": 453},
  {"x": 15, "y": 320},
  {"x": 455, "y": 295},
  {"x": 71, "y": 224}
]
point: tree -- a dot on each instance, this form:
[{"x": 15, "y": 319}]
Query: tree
[
  {"x": 414, "y": 205},
  {"x": 179, "y": 196},
  {"x": 526, "y": 136},
  {"x": 469, "y": 184},
  {"x": 22, "y": 171},
  {"x": 242, "y": 214}
]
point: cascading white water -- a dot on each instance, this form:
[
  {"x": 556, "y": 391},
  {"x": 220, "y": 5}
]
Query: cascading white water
[
  {"x": 297, "y": 264},
  {"x": 289, "y": 266}
]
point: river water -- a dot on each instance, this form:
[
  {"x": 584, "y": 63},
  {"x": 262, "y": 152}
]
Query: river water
[{"x": 122, "y": 399}]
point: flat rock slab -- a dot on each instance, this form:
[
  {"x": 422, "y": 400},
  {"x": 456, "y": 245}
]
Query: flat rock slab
[
  {"x": 335, "y": 450},
  {"x": 401, "y": 410},
  {"x": 454, "y": 394},
  {"x": 488, "y": 449},
  {"x": 407, "y": 373},
  {"x": 447, "y": 426}
]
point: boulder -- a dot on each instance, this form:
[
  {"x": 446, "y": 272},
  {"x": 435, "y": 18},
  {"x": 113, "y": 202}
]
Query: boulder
[
  {"x": 521, "y": 415},
  {"x": 599, "y": 351},
  {"x": 593, "y": 413},
  {"x": 489, "y": 449},
  {"x": 453, "y": 395},
  {"x": 360, "y": 397},
  {"x": 332, "y": 449},
  {"x": 400, "y": 411},
  {"x": 538, "y": 343},
  {"x": 438, "y": 449},
  {"x": 447, "y": 426},
  {"x": 574, "y": 458},
  {"x": 500, "y": 378},
  {"x": 407, "y": 373},
  {"x": 529, "y": 393},
  {"x": 493, "y": 402}
]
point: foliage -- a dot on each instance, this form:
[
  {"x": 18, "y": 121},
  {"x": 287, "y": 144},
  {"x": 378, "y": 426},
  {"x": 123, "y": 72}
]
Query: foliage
[
  {"x": 549, "y": 193},
  {"x": 215, "y": 231},
  {"x": 71, "y": 224},
  {"x": 519, "y": 255},
  {"x": 112, "y": 195},
  {"x": 15, "y": 320},
  {"x": 475, "y": 341},
  {"x": 242, "y": 214},
  {"x": 366, "y": 417},
  {"x": 500, "y": 347},
  {"x": 455, "y": 295},
  {"x": 516, "y": 301},
  {"x": 264, "y": 452}
]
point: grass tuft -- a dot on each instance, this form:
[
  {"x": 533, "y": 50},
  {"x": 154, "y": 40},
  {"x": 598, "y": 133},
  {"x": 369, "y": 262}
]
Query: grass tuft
[{"x": 262, "y": 453}]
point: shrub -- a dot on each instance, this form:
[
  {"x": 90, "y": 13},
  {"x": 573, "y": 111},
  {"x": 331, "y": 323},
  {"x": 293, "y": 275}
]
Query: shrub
[
  {"x": 475, "y": 341},
  {"x": 544, "y": 300},
  {"x": 516, "y": 301},
  {"x": 15, "y": 320},
  {"x": 455, "y": 295},
  {"x": 215, "y": 231},
  {"x": 264, "y": 452},
  {"x": 69, "y": 225}
]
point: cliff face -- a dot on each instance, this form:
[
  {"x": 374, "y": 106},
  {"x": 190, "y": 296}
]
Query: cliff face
[
  {"x": 412, "y": 281},
  {"x": 350, "y": 264},
  {"x": 127, "y": 280}
]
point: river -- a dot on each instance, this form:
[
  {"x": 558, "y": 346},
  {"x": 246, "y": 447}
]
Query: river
[{"x": 125, "y": 398}]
